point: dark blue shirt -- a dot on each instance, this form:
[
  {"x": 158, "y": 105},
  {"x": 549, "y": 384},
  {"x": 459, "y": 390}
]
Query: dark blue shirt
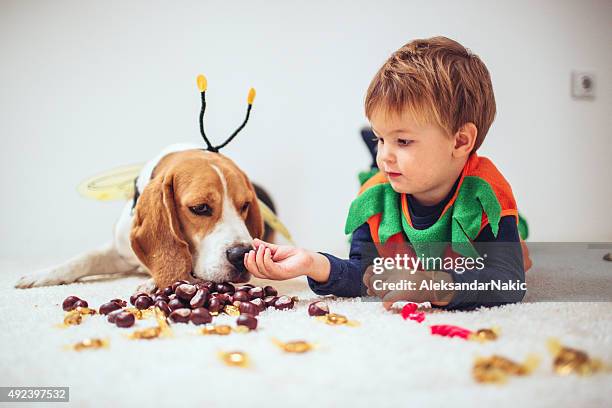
[{"x": 504, "y": 262}]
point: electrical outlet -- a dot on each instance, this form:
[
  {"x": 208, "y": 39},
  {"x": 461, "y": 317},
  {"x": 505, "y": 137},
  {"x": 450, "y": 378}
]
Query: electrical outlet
[{"x": 583, "y": 85}]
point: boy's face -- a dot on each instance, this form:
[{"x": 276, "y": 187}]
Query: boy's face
[{"x": 417, "y": 159}]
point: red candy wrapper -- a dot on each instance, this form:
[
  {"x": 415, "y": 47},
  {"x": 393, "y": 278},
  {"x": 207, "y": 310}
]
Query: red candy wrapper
[
  {"x": 417, "y": 317},
  {"x": 447, "y": 330},
  {"x": 408, "y": 309}
]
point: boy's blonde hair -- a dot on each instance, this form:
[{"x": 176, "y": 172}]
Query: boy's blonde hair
[{"x": 438, "y": 81}]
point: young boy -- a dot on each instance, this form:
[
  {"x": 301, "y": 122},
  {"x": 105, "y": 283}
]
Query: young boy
[{"x": 430, "y": 107}]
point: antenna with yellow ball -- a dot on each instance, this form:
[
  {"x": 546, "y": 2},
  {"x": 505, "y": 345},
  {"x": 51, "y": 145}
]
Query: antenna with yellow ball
[{"x": 202, "y": 85}]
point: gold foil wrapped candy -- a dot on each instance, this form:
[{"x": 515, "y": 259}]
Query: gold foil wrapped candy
[
  {"x": 220, "y": 329},
  {"x": 75, "y": 316},
  {"x": 135, "y": 311},
  {"x": 568, "y": 360},
  {"x": 234, "y": 358},
  {"x": 335, "y": 319},
  {"x": 496, "y": 369},
  {"x": 298, "y": 346},
  {"x": 483, "y": 335},
  {"x": 147, "y": 334},
  {"x": 91, "y": 343},
  {"x": 231, "y": 310}
]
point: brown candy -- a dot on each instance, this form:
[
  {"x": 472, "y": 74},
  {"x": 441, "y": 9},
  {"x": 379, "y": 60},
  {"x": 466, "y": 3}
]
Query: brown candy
[
  {"x": 199, "y": 299},
  {"x": 247, "y": 320},
  {"x": 256, "y": 292},
  {"x": 108, "y": 307},
  {"x": 185, "y": 291},
  {"x": 120, "y": 302},
  {"x": 143, "y": 302},
  {"x": 136, "y": 296},
  {"x": 180, "y": 315},
  {"x": 259, "y": 303},
  {"x": 269, "y": 300},
  {"x": 69, "y": 302},
  {"x": 164, "y": 307},
  {"x": 283, "y": 303},
  {"x": 157, "y": 298},
  {"x": 125, "y": 319},
  {"x": 113, "y": 315},
  {"x": 249, "y": 308},
  {"x": 200, "y": 316},
  {"x": 167, "y": 291},
  {"x": 174, "y": 304},
  {"x": 225, "y": 287},
  {"x": 270, "y": 291},
  {"x": 177, "y": 284},
  {"x": 214, "y": 305},
  {"x": 80, "y": 303},
  {"x": 241, "y": 296},
  {"x": 318, "y": 308}
]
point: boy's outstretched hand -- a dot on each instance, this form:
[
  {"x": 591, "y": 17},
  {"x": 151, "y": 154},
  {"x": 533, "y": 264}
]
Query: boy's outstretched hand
[{"x": 278, "y": 262}]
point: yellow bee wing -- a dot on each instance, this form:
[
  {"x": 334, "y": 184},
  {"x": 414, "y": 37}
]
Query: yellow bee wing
[
  {"x": 273, "y": 222},
  {"x": 113, "y": 184}
]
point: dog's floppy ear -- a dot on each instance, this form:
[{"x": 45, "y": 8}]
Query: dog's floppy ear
[
  {"x": 254, "y": 221},
  {"x": 156, "y": 235}
]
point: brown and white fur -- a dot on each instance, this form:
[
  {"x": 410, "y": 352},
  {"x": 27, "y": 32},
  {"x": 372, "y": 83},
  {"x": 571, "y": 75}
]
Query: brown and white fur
[{"x": 162, "y": 236}]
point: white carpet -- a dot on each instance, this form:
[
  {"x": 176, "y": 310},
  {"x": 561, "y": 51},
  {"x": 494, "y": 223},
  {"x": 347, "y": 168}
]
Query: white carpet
[{"x": 384, "y": 362}]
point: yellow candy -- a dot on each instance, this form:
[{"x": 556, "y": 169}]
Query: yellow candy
[
  {"x": 90, "y": 344},
  {"x": 337, "y": 320},
  {"x": 496, "y": 369},
  {"x": 231, "y": 310},
  {"x": 235, "y": 358},
  {"x": 568, "y": 360},
  {"x": 73, "y": 318},
  {"x": 135, "y": 311},
  {"x": 483, "y": 335},
  {"x": 222, "y": 330},
  {"x": 148, "y": 333},
  {"x": 298, "y": 346}
]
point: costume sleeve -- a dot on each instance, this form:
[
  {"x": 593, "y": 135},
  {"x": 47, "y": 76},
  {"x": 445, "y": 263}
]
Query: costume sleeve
[
  {"x": 503, "y": 263},
  {"x": 345, "y": 275}
]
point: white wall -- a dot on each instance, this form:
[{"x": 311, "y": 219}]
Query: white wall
[{"x": 90, "y": 85}]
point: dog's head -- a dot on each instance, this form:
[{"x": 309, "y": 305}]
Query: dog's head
[{"x": 195, "y": 219}]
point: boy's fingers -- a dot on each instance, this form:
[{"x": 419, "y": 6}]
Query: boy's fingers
[
  {"x": 251, "y": 265},
  {"x": 392, "y": 297},
  {"x": 270, "y": 266},
  {"x": 259, "y": 260},
  {"x": 258, "y": 242}
]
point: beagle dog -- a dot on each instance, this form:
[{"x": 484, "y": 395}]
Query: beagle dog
[{"x": 193, "y": 217}]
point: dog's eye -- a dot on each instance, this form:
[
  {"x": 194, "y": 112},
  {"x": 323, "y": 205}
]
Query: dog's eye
[
  {"x": 245, "y": 207},
  {"x": 201, "y": 209}
]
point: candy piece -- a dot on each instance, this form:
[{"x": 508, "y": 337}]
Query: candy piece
[
  {"x": 185, "y": 291},
  {"x": 257, "y": 292},
  {"x": 73, "y": 318},
  {"x": 81, "y": 303},
  {"x": 241, "y": 296},
  {"x": 120, "y": 302},
  {"x": 214, "y": 305},
  {"x": 199, "y": 299},
  {"x": 483, "y": 335},
  {"x": 84, "y": 310},
  {"x": 298, "y": 346},
  {"x": 181, "y": 315},
  {"x": 270, "y": 300},
  {"x": 225, "y": 287},
  {"x": 221, "y": 330},
  {"x": 568, "y": 360},
  {"x": 234, "y": 358},
  {"x": 270, "y": 291},
  {"x": 68, "y": 303},
  {"x": 496, "y": 369},
  {"x": 136, "y": 296},
  {"x": 136, "y": 312},
  {"x": 249, "y": 308},
  {"x": 125, "y": 319},
  {"x": 164, "y": 307},
  {"x": 335, "y": 319},
  {"x": 259, "y": 302},
  {"x": 417, "y": 317},
  {"x": 112, "y": 316},
  {"x": 200, "y": 316},
  {"x": 284, "y": 303},
  {"x": 409, "y": 309},
  {"x": 231, "y": 310},
  {"x": 247, "y": 320},
  {"x": 175, "y": 304},
  {"x": 89, "y": 344},
  {"x": 147, "y": 334},
  {"x": 143, "y": 302},
  {"x": 447, "y": 330},
  {"x": 177, "y": 284},
  {"x": 318, "y": 308},
  {"x": 108, "y": 307}
]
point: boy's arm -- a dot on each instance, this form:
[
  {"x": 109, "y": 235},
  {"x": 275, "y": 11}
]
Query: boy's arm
[
  {"x": 345, "y": 275},
  {"x": 504, "y": 262}
]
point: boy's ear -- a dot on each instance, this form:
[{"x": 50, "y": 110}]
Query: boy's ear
[{"x": 465, "y": 139}]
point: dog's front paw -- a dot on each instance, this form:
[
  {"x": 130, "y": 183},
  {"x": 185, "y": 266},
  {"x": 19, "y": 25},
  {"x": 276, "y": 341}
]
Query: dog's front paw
[
  {"x": 147, "y": 286},
  {"x": 41, "y": 278}
]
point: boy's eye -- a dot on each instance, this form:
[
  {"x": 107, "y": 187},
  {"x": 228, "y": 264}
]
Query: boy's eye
[
  {"x": 403, "y": 142},
  {"x": 378, "y": 139}
]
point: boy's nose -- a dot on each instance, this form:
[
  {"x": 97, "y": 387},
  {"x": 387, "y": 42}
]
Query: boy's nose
[{"x": 385, "y": 154}]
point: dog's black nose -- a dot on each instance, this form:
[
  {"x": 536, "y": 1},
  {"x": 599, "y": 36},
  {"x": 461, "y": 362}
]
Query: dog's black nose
[{"x": 235, "y": 255}]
